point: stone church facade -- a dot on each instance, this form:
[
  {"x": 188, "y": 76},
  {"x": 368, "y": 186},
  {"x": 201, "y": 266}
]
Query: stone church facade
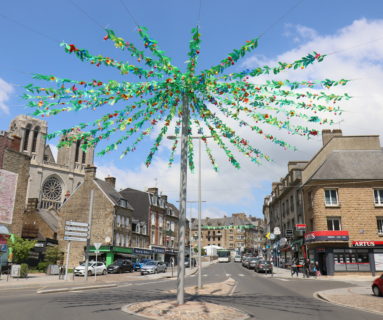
[{"x": 50, "y": 181}]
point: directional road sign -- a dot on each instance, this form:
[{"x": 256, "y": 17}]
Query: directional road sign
[
  {"x": 77, "y": 234},
  {"x": 77, "y": 224},
  {"x": 70, "y": 228},
  {"x": 74, "y": 239}
]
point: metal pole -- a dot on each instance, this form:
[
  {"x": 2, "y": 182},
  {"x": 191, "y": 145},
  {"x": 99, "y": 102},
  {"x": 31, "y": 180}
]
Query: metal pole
[
  {"x": 95, "y": 269},
  {"x": 183, "y": 187},
  {"x": 199, "y": 216},
  {"x": 190, "y": 238},
  {"x": 89, "y": 231},
  {"x": 67, "y": 260}
]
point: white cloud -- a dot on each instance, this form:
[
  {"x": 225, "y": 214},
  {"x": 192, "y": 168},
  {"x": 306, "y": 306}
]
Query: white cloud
[
  {"x": 5, "y": 91},
  {"x": 299, "y": 33},
  {"x": 231, "y": 187}
]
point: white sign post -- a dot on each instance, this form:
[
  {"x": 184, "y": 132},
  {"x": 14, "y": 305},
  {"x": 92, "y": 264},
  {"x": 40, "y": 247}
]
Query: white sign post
[
  {"x": 74, "y": 231},
  {"x": 97, "y": 246}
]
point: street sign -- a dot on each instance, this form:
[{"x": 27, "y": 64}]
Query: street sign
[
  {"x": 78, "y": 234},
  {"x": 70, "y": 228},
  {"x": 300, "y": 227},
  {"x": 74, "y": 239},
  {"x": 272, "y": 236},
  {"x": 277, "y": 231},
  {"x": 76, "y": 224},
  {"x": 289, "y": 233}
]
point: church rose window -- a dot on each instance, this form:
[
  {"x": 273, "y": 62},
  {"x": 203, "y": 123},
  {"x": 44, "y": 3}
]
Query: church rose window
[{"x": 52, "y": 189}]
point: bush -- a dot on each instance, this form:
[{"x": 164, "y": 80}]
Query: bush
[
  {"x": 23, "y": 270},
  {"x": 53, "y": 255},
  {"x": 42, "y": 266}
]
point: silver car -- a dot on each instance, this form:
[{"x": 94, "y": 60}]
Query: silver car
[{"x": 153, "y": 267}]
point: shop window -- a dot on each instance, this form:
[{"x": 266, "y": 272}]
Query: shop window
[
  {"x": 351, "y": 260},
  {"x": 292, "y": 204},
  {"x": 331, "y": 197},
  {"x": 378, "y": 196},
  {"x": 379, "y": 222},
  {"x": 333, "y": 223}
]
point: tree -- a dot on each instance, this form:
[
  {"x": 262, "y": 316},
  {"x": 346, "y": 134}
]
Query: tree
[
  {"x": 53, "y": 254},
  {"x": 203, "y": 251},
  {"x": 20, "y": 248}
]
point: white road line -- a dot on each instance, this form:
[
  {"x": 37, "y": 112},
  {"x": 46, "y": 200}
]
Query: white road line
[
  {"x": 205, "y": 275},
  {"x": 241, "y": 275},
  {"x": 228, "y": 274},
  {"x": 282, "y": 279}
]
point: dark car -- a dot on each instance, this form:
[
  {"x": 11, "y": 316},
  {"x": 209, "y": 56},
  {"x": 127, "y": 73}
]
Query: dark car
[
  {"x": 120, "y": 266},
  {"x": 252, "y": 263},
  {"x": 245, "y": 261},
  {"x": 377, "y": 286},
  {"x": 187, "y": 262},
  {"x": 139, "y": 264},
  {"x": 263, "y": 266}
]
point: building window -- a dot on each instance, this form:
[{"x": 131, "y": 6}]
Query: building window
[
  {"x": 333, "y": 223},
  {"x": 231, "y": 238},
  {"x": 143, "y": 229},
  {"x": 127, "y": 240},
  {"x": 153, "y": 219},
  {"x": 331, "y": 197},
  {"x": 160, "y": 221},
  {"x": 153, "y": 238},
  {"x": 26, "y": 137},
  {"x": 310, "y": 199},
  {"x": 34, "y": 141},
  {"x": 77, "y": 153},
  {"x": 292, "y": 204},
  {"x": 379, "y": 222},
  {"x": 118, "y": 221},
  {"x": 231, "y": 245},
  {"x": 378, "y": 196}
]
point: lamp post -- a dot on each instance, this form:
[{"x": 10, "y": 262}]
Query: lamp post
[{"x": 199, "y": 202}]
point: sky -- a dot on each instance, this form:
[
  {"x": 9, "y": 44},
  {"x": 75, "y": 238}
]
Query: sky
[{"x": 349, "y": 31}]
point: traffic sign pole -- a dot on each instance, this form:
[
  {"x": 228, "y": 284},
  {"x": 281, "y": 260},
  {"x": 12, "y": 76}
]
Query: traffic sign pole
[
  {"x": 88, "y": 238},
  {"x": 67, "y": 260}
]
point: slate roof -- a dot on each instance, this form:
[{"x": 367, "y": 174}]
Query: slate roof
[
  {"x": 139, "y": 200},
  {"x": 113, "y": 194},
  {"x": 351, "y": 165},
  {"x": 175, "y": 209}
]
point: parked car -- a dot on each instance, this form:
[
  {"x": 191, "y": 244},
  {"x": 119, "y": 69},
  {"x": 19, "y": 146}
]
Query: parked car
[
  {"x": 120, "y": 266},
  {"x": 237, "y": 259},
  {"x": 245, "y": 262},
  {"x": 93, "y": 267},
  {"x": 153, "y": 267},
  {"x": 377, "y": 286},
  {"x": 263, "y": 266},
  {"x": 252, "y": 263},
  {"x": 139, "y": 264},
  {"x": 187, "y": 262}
]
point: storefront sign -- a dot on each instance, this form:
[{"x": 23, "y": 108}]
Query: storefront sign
[
  {"x": 300, "y": 227},
  {"x": 158, "y": 249},
  {"x": 317, "y": 236},
  {"x": 142, "y": 251},
  {"x": 367, "y": 243}
]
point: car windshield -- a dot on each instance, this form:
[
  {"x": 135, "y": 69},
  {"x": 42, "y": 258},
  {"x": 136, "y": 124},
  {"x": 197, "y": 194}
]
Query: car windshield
[
  {"x": 116, "y": 263},
  {"x": 151, "y": 263}
]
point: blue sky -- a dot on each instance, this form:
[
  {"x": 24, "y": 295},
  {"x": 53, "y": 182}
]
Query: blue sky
[{"x": 32, "y": 31}]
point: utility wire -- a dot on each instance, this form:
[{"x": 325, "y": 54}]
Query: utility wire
[
  {"x": 29, "y": 28},
  {"x": 86, "y": 14},
  {"x": 355, "y": 46},
  {"x": 129, "y": 13},
  {"x": 279, "y": 19}
]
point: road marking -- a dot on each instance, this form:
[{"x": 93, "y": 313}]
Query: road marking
[
  {"x": 241, "y": 275},
  {"x": 228, "y": 274},
  {"x": 205, "y": 275},
  {"x": 282, "y": 279}
]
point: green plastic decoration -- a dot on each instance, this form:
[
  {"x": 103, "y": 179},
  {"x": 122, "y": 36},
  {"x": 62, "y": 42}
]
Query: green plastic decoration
[{"x": 155, "y": 100}]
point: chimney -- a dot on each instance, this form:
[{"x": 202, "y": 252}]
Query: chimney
[
  {"x": 153, "y": 191},
  {"x": 111, "y": 181},
  {"x": 327, "y": 135},
  {"x": 90, "y": 172}
]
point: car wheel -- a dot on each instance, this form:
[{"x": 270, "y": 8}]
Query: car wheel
[
  {"x": 89, "y": 273},
  {"x": 104, "y": 272},
  {"x": 165, "y": 270},
  {"x": 376, "y": 291}
]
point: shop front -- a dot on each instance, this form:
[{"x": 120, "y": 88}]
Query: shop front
[
  {"x": 109, "y": 254},
  {"x": 158, "y": 253},
  {"x": 141, "y": 254},
  {"x": 171, "y": 257}
]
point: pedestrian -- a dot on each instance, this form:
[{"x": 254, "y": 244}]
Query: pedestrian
[
  {"x": 61, "y": 272},
  {"x": 306, "y": 268},
  {"x": 317, "y": 270},
  {"x": 294, "y": 268}
]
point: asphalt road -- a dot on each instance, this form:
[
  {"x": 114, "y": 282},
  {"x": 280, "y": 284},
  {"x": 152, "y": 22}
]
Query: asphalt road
[{"x": 259, "y": 296}]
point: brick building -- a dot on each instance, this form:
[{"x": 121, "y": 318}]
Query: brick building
[{"x": 341, "y": 190}]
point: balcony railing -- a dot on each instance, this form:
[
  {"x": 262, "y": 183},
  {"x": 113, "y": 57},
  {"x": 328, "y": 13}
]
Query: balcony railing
[{"x": 47, "y": 204}]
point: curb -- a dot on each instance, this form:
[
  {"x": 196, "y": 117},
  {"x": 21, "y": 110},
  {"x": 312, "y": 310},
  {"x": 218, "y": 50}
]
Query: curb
[
  {"x": 320, "y": 296},
  {"x": 43, "y": 291}
]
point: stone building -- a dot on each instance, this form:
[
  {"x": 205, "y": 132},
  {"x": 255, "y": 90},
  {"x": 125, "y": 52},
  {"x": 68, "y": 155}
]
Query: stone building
[
  {"x": 237, "y": 233},
  {"x": 50, "y": 182},
  {"x": 160, "y": 216},
  {"x": 14, "y": 172},
  {"x": 341, "y": 191},
  {"x": 111, "y": 218}
]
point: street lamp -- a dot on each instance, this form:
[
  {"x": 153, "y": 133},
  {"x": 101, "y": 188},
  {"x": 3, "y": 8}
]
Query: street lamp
[{"x": 199, "y": 203}]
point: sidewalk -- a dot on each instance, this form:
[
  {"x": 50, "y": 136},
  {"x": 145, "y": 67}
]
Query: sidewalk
[
  {"x": 360, "y": 298},
  {"x": 39, "y": 280},
  {"x": 286, "y": 273}
]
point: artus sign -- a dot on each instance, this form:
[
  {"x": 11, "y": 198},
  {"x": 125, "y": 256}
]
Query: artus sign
[
  {"x": 367, "y": 243},
  {"x": 317, "y": 236}
]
